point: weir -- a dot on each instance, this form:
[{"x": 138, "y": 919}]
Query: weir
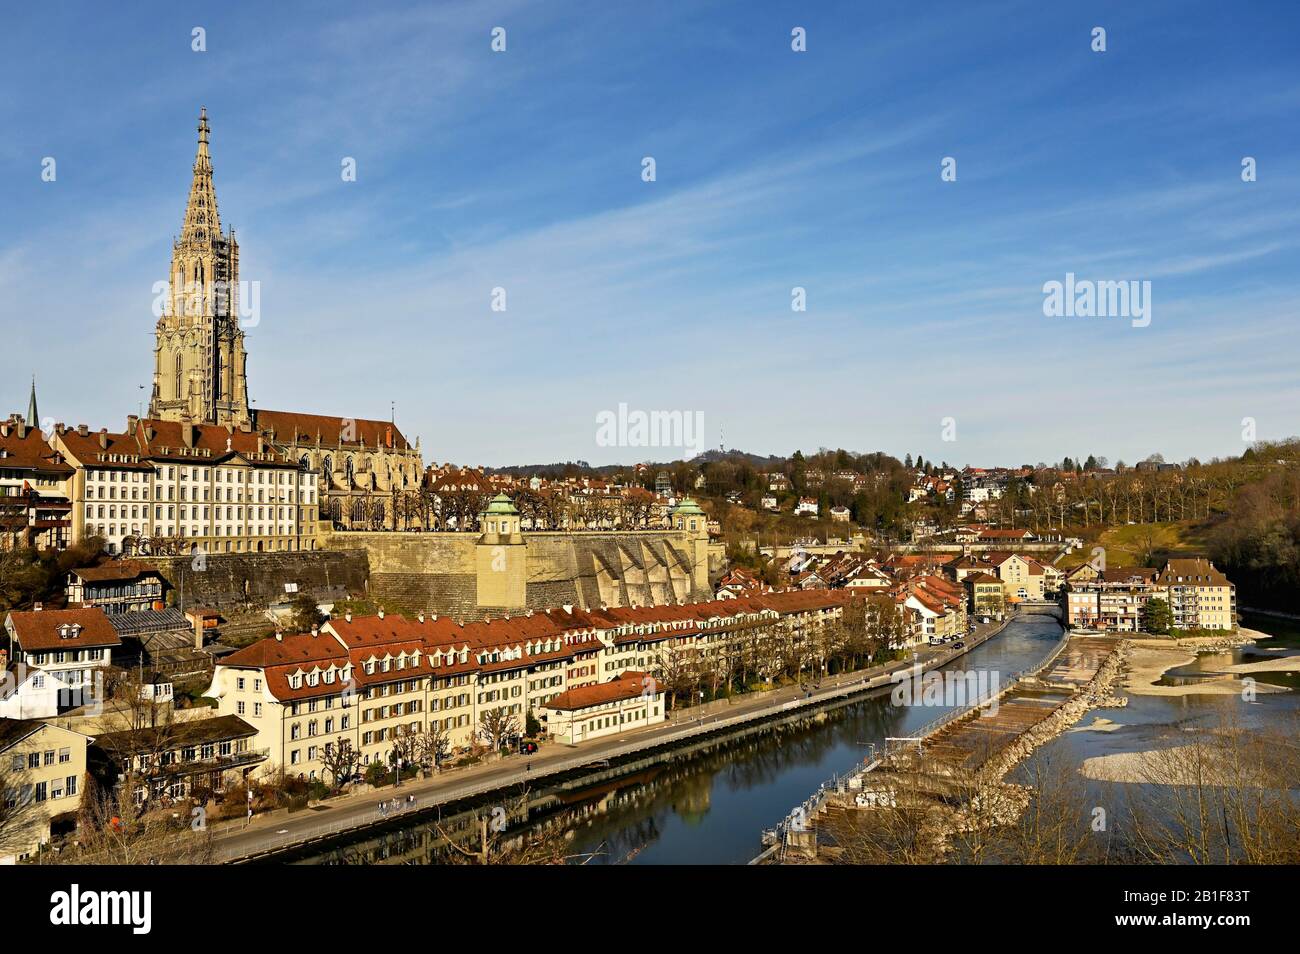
[{"x": 972, "y": 742}]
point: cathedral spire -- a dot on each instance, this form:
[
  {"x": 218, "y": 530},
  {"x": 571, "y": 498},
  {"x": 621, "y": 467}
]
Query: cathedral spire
[
  {"x": 202, "y": 222},
  {"x": 33, "y": 416},
  {"x": 199, "y": 358}
]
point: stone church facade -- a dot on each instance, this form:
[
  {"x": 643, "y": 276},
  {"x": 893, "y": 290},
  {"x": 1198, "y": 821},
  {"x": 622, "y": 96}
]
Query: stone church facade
[{"x": 200, "y": 376}]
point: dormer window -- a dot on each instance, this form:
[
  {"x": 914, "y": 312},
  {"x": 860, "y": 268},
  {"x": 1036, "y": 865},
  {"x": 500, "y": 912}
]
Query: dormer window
[
  {"x": 295, "y": 681},
  {"x": 313, "y": 678},
  {"x": 69, "y": 630}
]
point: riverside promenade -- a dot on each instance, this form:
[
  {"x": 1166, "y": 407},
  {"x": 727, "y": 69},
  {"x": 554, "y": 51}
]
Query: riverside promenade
[{"x": 264, "y": 836}]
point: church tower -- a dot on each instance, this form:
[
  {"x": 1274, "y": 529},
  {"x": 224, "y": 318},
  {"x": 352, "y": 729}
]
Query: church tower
[{"x": 199, "y": 360}]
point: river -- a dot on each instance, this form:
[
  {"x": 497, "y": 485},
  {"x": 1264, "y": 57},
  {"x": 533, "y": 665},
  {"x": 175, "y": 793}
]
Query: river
[{"x": 710, "y": 804}]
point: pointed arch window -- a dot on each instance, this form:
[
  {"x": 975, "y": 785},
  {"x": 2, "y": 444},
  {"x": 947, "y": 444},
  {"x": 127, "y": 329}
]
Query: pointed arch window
[{"x": 177, "y": 384}]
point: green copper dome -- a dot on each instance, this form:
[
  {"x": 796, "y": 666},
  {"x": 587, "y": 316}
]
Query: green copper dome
[
  {"x": 688, "y": 507},
  {"x": 501, "y": 504}
]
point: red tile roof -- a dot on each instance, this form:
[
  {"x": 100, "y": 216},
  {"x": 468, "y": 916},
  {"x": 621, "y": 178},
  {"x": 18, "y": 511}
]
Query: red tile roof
[
  {"x": 25, "y": 448},
  {"x": 304, "y": 428},
  {"x": 39, "y": 630},
  {"x": 628, "y": 685},
  {"x": 571, "y": 631}
]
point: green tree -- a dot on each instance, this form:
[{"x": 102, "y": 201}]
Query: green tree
[
  {"x": 1158, "y": 618},
  {"x": 304, "y": 614}
]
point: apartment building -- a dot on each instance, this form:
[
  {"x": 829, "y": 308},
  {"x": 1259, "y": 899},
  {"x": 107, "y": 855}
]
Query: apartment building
[
  {"x": 118, "y": 586},
  {"x": 178, "y": 759},
  {"x": 986, "y": 595},
  {"x": 1199, "y": 595},
  {"x": 205, "y": 487},
  {"x": 1115, "y": 600},
  {"x": 1023, "y": 578},
  {"x": 633, "y": 700},
  {"x": 34, "y": 506},
  {"x": 368, "y": 679},
  {"x": 41, "y": 770},
  {"x": 1112, "y": 600},
  {"x": 71, "y": 646}
]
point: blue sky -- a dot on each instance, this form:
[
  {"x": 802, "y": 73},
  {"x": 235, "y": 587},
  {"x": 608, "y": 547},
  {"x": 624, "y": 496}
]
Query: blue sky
[{"x": 775, "y": 169}]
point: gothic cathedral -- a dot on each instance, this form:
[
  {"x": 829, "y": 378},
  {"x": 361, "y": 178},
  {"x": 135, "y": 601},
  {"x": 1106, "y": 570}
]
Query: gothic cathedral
[{"x": 199, "y": 374}]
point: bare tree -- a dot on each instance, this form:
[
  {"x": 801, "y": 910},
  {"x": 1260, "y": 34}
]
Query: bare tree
[
  {"x": 339, "y": 758},
  {"x": 496, "y": 727},
  {"x": 110, "y": 832},
  {"x": 432, "y": 746}
]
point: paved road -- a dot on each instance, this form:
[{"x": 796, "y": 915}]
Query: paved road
[{"x": 233, "y": 841}]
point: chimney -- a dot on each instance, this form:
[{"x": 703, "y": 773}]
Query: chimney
[
  {"x": 197, "y": 620},
  {"x": 4, "y": 659},
  {"x": 187, "y": 434},
  {"x": 348, "y": 616},
  {"x": 131, "y": 422},
  {"x": 59, "y": 428},
  {"x": 103, "y": 438},
  {"x": 82, "y": 430}
]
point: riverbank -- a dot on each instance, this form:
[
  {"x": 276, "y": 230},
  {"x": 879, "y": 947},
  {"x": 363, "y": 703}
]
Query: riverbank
[{"x": 1151, "y": 659}]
